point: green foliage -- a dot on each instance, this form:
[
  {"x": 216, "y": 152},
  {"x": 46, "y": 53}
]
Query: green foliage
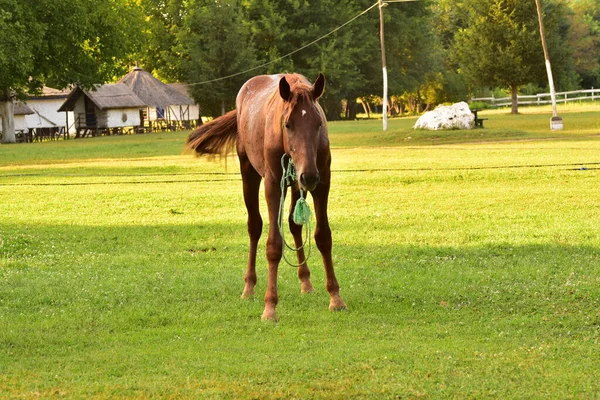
[
  {"x": 501, "y": 45},
  {"x": 556, "y": 27},
  {"x": 529, "y": 89},
  {"x": 19, "y": 43},
  {"x": 159, "y": 52},
  {"x": 437, "y": 50},
  {"x": 65, "y": 42},
  {"x": 584, "y": 39},
  {"x": 413, "y": 54},
  {"x": 216, "y": 41},
  {"x": 479, "y": 105}
]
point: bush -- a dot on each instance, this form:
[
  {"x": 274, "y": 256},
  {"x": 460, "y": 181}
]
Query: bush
[{"x": 479, "y": 105}]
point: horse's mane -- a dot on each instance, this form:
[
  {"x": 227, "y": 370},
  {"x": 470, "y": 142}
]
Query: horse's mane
[{"x": 301, "y": 91}]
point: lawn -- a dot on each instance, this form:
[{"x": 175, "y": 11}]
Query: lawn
[{"x": 469, "y": 260}]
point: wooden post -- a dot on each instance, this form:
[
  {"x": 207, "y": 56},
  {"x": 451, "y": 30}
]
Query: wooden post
[
  {"x": 383, "y": 63},
  {"x": 555, "y": 121},
  {"x": 383, "y": 3}
]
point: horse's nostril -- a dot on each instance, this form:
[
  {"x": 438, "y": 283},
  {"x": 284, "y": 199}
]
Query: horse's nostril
[{"x": 309, "y": 180}]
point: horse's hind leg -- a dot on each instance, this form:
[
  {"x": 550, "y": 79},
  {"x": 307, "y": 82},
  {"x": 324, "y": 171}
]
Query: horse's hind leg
[
  {"x": 251, "y": 182},
  {"x": 296, "y": 230}
]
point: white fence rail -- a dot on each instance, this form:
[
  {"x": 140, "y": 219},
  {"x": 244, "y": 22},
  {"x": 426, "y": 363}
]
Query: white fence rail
[{"x": 543, "y": 98}]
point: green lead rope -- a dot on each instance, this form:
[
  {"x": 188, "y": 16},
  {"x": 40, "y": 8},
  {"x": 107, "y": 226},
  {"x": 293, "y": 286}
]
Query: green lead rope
[{"x": 301, "y": 214}]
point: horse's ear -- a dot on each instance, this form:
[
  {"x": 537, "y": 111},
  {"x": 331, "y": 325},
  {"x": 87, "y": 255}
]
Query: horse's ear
[
  {"x": 284, "y": 89},
  {"x": 319, "y": 86}
]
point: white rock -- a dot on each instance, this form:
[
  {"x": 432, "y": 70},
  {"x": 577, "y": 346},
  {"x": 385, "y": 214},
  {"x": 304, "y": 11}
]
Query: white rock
[{"x": 456, "y": 116}]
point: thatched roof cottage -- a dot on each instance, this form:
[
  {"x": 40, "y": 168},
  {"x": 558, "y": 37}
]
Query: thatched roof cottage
[
  {"x": 107, "y": 109},
  {"x": 166, "y": 107}
]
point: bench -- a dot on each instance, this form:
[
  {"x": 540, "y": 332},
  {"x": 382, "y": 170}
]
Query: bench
[{"x": 478, "y": 121}]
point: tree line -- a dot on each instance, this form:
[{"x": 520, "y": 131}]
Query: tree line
[{"x": 437, "y": 50}]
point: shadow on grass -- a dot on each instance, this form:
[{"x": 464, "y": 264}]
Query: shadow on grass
[{"x": 63, "y": 265}]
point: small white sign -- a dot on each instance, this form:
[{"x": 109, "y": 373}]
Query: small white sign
[{"x": 556, "y": 123}]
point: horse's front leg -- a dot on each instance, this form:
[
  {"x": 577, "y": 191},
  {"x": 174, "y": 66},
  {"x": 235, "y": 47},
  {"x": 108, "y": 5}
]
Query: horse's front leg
[
  {"x": 324, "y": 244},
  {"x": 274, "y": 247},
  {"x": 296, "y": 230}
]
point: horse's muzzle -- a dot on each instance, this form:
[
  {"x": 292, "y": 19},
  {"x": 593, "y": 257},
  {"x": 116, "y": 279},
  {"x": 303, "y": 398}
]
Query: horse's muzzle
[{"x": 309, "y": 182}]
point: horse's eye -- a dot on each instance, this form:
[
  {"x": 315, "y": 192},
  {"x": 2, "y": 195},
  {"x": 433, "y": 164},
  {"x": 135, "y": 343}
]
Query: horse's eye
[{"x": 287, "y": 126}]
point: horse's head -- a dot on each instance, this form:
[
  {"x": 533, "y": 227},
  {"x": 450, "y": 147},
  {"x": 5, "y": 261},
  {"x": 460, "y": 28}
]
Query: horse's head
[{"x": 303, "y": 127}]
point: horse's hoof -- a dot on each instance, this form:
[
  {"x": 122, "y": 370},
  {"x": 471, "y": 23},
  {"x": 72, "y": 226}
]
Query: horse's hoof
[
  {"x": 272, "y": 317},
  {"x": 337, "y": 304},
  {"x": 306, "y": 287},
  {"x": 248, "y": 292},
  {"x": 269, "y": 315}
]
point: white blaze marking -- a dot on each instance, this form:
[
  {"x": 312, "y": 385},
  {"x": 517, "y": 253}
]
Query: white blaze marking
[{"x": 303, "y": 113}]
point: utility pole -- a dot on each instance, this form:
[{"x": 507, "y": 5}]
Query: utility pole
[
  {"x": 383, "y": 3},
  {"x": 383, "y": 63},
  {"x": 556, "y": 122}
]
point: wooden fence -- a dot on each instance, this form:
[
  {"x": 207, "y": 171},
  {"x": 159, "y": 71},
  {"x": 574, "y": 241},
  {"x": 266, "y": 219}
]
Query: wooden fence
[{"x": 543, "y": 98}]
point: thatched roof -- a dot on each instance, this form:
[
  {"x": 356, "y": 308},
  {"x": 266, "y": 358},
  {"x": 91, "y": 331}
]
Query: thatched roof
[
  {"x": 152, "y": 91},
  {"x": 20, "y": 108},
  {"x": 48, "y": 93},
  {"x": 105, "y": 97}
]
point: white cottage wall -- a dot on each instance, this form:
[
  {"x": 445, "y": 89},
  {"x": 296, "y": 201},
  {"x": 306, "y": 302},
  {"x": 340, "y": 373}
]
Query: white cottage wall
[
  {"x": 152, "y": 114},
  {"x": 20, "y": 124},
  {"x": 79, "y": 112},
  {"x": 118, "y": 118},
  {"x": 194, "y": 112},
  {"x": 47, "y": 114},
  {"x": 184, "y": 112}
]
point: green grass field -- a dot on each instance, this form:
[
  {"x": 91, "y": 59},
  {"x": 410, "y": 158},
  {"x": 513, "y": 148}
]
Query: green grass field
[{"x": 469, "y": 260}]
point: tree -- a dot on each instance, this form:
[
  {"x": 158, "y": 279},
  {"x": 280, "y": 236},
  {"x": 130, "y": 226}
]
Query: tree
[
  {"x": 500, "y": 46},
  {"x": 449, "y": 17},
  {"x": 414, "y": 53},
  {"x": 283, "y": 27},
  {"x": 215, "y": 40},
  {"x": 59, "y": 43},
  {"x": 350, "y": 56},
  {"x": 159, "y": 51},
  {"x": 205, "y": 40},
  {"x": 584, "y": 39}
]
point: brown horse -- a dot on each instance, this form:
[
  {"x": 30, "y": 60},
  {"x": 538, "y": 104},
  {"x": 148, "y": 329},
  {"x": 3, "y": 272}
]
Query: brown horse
[{"x": 277, "y": 115}]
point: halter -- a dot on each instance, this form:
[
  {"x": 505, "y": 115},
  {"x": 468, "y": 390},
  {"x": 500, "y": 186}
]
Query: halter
[{"x": 301, "y": 214}]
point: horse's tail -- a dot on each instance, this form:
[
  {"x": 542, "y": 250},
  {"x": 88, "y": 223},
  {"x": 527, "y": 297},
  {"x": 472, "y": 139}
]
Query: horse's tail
[{"x": 215, "y": 137}]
